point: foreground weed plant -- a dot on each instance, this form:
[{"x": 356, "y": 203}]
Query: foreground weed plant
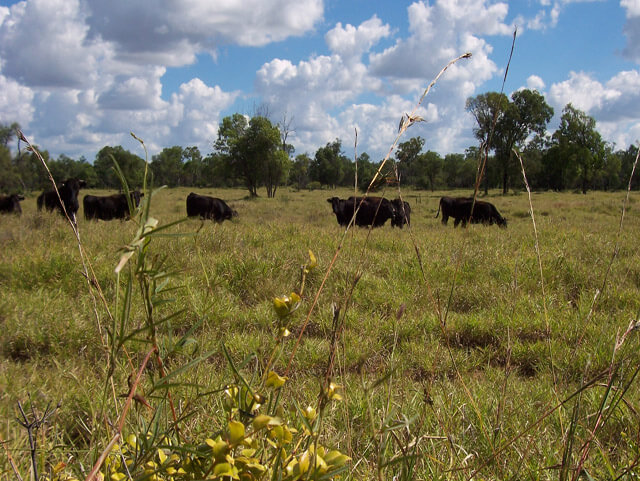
[
  {"x": 256, "y": 437},
  {"x": 259, "y": 440}
]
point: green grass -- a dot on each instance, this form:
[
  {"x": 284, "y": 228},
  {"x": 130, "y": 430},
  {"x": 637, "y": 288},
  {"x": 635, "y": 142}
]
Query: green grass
[{"x": 479, "y": 381}]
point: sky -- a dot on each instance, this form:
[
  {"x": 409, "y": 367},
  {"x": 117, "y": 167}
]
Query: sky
[{"x": 78, "y": 75}]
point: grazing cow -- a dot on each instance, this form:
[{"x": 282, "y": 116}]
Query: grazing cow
[
  {"x": 449, "y": 206},
  {"x": 460, "y": 209},
  {"x": 68, "y": 193},
  {"x": 403, "y": 213},
  {"x": 109, "y": 207},
  {"x": 10, "y": 204},
  {"x": 487, "y": 214},
  {"x": 209, "y": 208},
  {"x": 373, "y": 211}
]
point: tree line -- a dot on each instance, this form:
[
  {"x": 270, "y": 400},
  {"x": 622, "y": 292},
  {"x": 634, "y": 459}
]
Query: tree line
[{"x": 252, "y": 152}]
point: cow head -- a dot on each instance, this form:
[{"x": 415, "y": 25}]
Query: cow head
[{"x": 335, "y": 204}]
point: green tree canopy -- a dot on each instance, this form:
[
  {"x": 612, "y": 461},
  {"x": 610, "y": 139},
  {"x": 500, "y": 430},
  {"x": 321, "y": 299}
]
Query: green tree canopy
[
  {"x": 580, "y": 144},
  {"x": 330, "y": 165},
  {"x": 252, "y": 149},
  {"x": 167, "y": 167},
  {"x": 131, "y": 165},
  {"x": 8, "y": 132},
  {"x": 407, "y": 155},
  {"x": 505, "y": 124},
  {"x": 193, "y": 167},
  {"x": 299, "y": 173}
]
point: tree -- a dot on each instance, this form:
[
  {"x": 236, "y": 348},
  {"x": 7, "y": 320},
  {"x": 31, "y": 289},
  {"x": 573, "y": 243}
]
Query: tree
[
  {"x": 407, "y": 154},
  {"x": 299, "y": 173},
  {"x": 427, "y": 167},
  {"x": 451, "y": 167},
  {"x": 251, "y": 148},
  {"x": 627, "y": 159},
  {"x": 193, "y": 167},
  {"x": 218, "y": 172},
  {"x": 9, "y": 180},
  {"x": 31, "y": 173},
  {"x": 532, "y": 158},
  {"x": 8, "y": 132},
  {"x": 505, "y": 124},
  {"x": 580, "y": 144},
  {"x": 228, "y": 148},
  {"x": 131, "y": 165},
  {"x": 167, "y": 166},
  {"x": 329, "y": 165},
  {"x": 285, "y": 130},
  {"x": 277, "y": 167},
  {"x": 608, "y": 176}
]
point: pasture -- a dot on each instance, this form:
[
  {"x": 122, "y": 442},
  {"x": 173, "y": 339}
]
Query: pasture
[{"x": 474, "y": 359}]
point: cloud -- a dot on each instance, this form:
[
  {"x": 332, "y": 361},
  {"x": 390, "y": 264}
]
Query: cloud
[
  {"x": 134, "y": 92},
  {"x": 439, "y": 33},
  {"x": 632, "y": 7},
  {"x": 331, "y": 95},
  {"x": 583, "y": 92},
  {"x": 632, "y": 29},
  {"x": 172, "y": 32},
  {"x": 15, "y": 102},
  {"x": 535, "y": 83},
  {"x": 194, "y": 114},
  {"x": 615, "y": 104},
  {"x": 352, "y": 42},
  {"x": 82, "y": 73},
  {"x": 43, "y": 44}
]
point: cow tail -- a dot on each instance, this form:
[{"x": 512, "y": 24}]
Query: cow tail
[{"x": 438, "y": 213}]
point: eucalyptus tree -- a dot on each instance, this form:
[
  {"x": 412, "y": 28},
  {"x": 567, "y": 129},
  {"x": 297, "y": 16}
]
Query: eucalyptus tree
[
  {"x": 580, "y": 145},
  {"x": 503, "y": 124},
  {"x": 131, "y": 165},
  {"x": 252, "y": 148},
  {"x": 330, "y": 166}
]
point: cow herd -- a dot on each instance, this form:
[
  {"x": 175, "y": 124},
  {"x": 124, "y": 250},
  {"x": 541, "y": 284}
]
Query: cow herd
[{"x": 365, "y": 211}]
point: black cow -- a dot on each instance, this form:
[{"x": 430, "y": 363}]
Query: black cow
[
  {"x": 460, "y": 209},
  {"x": 68, "y": 193},
  {"x": 209, "y": 208},
  {"x": 109, "y": 207},
  {"x": 403, "y": 213},
  {"x": 10, "y": 204},
  {"x": 449, "y": 206},
  {"x": 373, "y": 211},
  {"x": 486, "y": 213}
]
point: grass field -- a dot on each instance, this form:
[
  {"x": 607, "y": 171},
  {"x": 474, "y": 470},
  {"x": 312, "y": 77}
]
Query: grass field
[{"x": 494, "y": 360}]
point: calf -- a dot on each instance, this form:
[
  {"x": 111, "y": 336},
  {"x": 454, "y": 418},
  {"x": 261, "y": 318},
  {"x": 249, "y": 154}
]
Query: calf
[
  {"x": 109, "y": 207},
  {"x": 10, "y": 204},
  {"x": 209, "y": 208}
]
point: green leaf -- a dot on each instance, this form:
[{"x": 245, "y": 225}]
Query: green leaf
[
  {"x": 225, "y": 469},
  {"x": 262, "y": 420},
  {"x": 281, "y": 307},
  {"x": 336, "y": 458},
  {"x": 274, "y": 380},
  {"x": 219, "y": 448},
  {"x": 236, "y": 432},
  {"x": 312, "y": 260}
]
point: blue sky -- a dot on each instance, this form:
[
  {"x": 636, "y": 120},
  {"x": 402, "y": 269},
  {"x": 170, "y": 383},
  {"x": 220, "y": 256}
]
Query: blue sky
[{"x": 81, "y": 74}]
